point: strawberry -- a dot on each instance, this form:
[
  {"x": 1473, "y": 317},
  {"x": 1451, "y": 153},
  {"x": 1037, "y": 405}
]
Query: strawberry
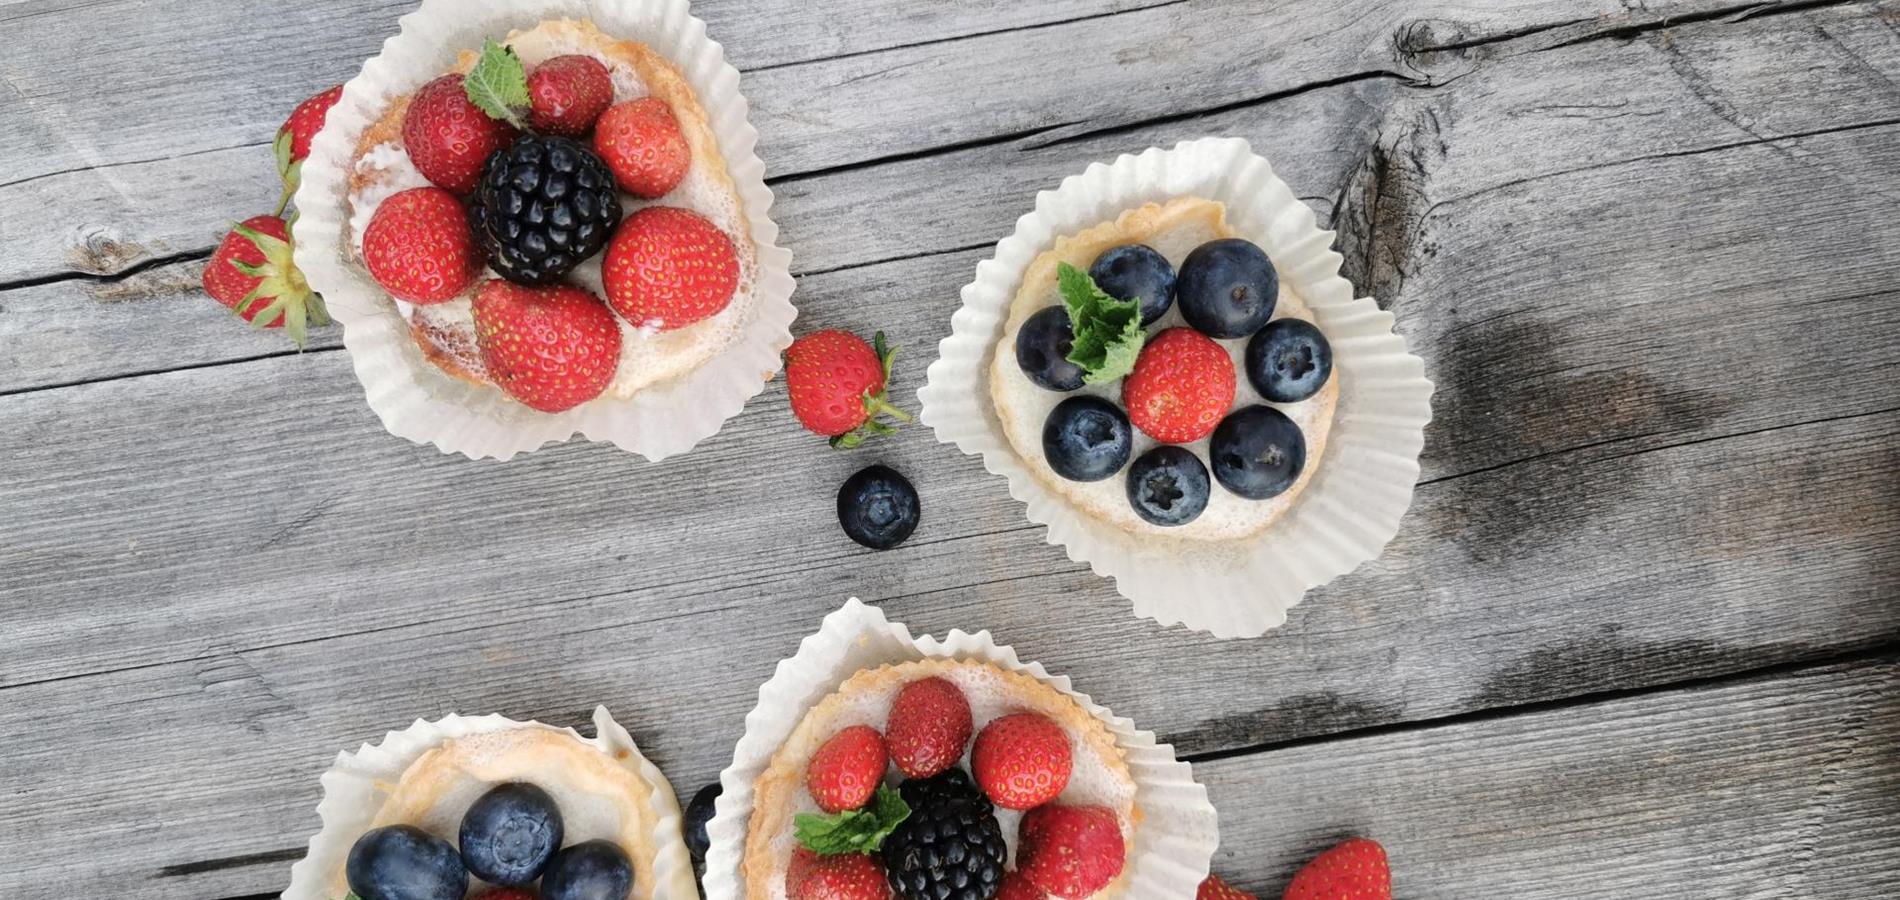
[
  {"x": 836, "y": 382},
  {"x": 1215, "y": 889},
  {"x": 847, "y": 876},
  {"x": 1016, "y": 887},
  {"x": 448, "y": 137},
  {"x": 418, "y": 246},
  {"x": 1021, "y": 760},
  {"x": 845, "y": 771},
  {"x": 928, "y": 727},
  {"x": 642, "y": 143},
  {"x": 252, "y": 272},
  {"x": 293, "y": 140},
  {"x": 1182, "y": 386},
  {"x": 567, "y": 93},
  {"x": 1356, "y": 869},
  {"x": 668, "y": 268},
  {"x": 552, "y": 348},
  {"x": 1070, "y": 851}
]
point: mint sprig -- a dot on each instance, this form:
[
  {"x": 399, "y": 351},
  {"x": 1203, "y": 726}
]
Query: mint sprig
[
  {"x": 1108, "y": 333},
  {"x": 853, "y": 831},
  {"x": 498, "y": 85}
]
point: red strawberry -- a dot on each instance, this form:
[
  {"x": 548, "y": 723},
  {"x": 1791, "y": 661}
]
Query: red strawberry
[
  {"x": 1215, "y": 889},
  {"x": 253, "y": 273},
  {"x": 567, "y": 93},
  {"x": 929, "y": 726},
  {"x": 837, "y": 383},
  {"x": 847, "y": 876},
  {"x": 1356, "y": 869},
  {"x": 448, "y": 137},
  {"x": 642, "y": 143},
  {"x": 1182, "y": 386},
  {"x": 552, "y": 348},
  {"x": 1016, "y": 887},
  {"x": 293, "y": 140},
  {"x": 1070, "y": 851},
  {"x": 846, "y": 771},
  {"x": 1021, "y": 760},
  {"x": 668, "y": 268},
  {"x": 418, "y": 246}
]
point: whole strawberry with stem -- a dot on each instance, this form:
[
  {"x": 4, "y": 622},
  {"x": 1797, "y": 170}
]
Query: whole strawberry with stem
[
  {"x": 552, "y": 348},
  {"x": 292, "y": 146},
  {"x": 837, "y": 384},
  {"x": 1355, "y": 869},
  {"x": 253, "y": 273}
]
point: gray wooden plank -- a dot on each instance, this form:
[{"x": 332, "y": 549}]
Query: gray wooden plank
[{"x": 1782, "y": 787}]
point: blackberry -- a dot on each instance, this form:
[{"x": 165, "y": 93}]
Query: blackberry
[
  {"x": 544, "y": 204},
  {"x": 951, "y": 847}
]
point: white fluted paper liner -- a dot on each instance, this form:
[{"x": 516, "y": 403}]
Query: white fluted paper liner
[
  {"x": 1173, "y": 844},
  {"x": 358, "y": 783},
  {"x": 417, "y": 401},
  {"x": 1363, "y": 482}
]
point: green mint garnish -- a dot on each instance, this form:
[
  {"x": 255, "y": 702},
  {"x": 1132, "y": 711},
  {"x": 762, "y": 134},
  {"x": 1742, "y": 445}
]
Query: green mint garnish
[
  {"x": 1108, "y": 333},
  {"x": 853, "y": 831},
  {"x": 498, "y": 85}
]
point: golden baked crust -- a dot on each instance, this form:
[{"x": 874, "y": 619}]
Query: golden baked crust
[
  {"x": 776, "y": 789},
  {"x": 1141, "y": 225}
]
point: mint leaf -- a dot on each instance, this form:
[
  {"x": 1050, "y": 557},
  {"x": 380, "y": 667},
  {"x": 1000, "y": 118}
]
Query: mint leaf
[
  {"x": 1108, "y": 333},
  {"x": 853, "y": 831},
  {"x": 498, "y": 85}
]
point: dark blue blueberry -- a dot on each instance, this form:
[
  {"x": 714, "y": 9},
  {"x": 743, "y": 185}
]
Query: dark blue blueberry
[
  {"x": 1042, "y": 350},
  {"x": 590, "y": 870},
  {"x": 878, "y": 508},
  {"x": 698, "y": 813},
  {"x": 1258, "y": 452},
  {"x": 1228, "y": 288},
  {"x": 1168, "y": 486},
  {"x": 1137, "y": 272},
  {"x": 1289, "y": 361},
  {"x": 510, "y": 833},
  {"x": 1087, "y": 439},
  {"x": 403, "y": 862}
]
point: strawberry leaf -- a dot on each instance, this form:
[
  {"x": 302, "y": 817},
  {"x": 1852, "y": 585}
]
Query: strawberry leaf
[
  {"x": 498, "y": 85},
  {"x": 853, "y": 831},
  {"x": 1108, "y": 333}
]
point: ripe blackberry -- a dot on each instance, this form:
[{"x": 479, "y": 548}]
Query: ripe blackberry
[
  {"x": 544, "y": 204},
  {"x": 951, "y": 847}
]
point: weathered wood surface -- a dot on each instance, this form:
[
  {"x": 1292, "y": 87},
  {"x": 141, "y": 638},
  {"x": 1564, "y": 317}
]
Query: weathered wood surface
[{"x": 1653, "y": 270}]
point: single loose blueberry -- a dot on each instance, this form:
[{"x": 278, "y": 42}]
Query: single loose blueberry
[
  {"x": 1289, "y": 360},
  {"x": 1227, "y": 288},
  {"x": 403, "y": 862},
  {"x": 1258, "y": 452},
  {"x": 1042, "y": 350},
  {"x": 1087, "y": 438},
  {"x": 1168, "y": 486},
  {"x": 878, "y": 508},
  {"x": 698, "y": 813},
  {"x": 590, "y": 870},
  {"x": 509, "y": 834},
  {"x": 1136, "y": 272}
]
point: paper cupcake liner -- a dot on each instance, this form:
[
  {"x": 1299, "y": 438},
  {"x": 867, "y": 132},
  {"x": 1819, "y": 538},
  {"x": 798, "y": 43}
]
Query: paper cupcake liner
[
  {"x": 1173, "y": 844},
  {"x": 417, "y": 401},
  {"x": 1363, "y": 480},
  {"x": 358, "y": 783}
]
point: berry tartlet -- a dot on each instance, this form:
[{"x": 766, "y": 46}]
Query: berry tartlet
[
  {"x": 920, "y": 770},
  {"x": 451, "y": 807}
]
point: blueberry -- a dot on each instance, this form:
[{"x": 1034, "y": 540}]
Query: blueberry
[
  {"x": 1137, "y": 271},
  {"x": 878, "y": 508},
  {"x": 1087, "y": 439},
  {"x": 403, "y": 862},
  {"x": 1228, "y": 288},
  {"x": 1168, "y": 486},
  {"x": 510, "y": 833},
  {"x": 590, "y": 870},
  {"x": 1258, "y": 452},
  {"x": 1289, "y": 361},
  {"x": 698, "y": 813},
  {"x": 1042, "y": 350}
]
